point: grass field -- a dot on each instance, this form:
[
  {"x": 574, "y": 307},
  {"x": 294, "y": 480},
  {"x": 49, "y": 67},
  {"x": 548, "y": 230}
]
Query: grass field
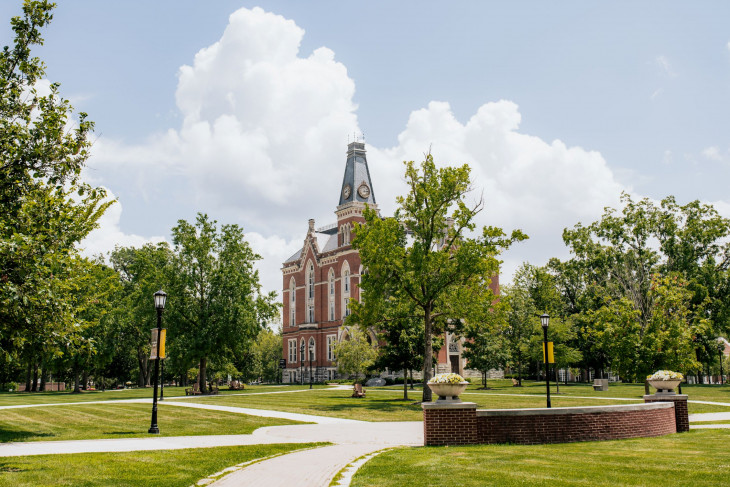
[
  {"x": 16, "y": 398},
  {"x": 115, "y": 420},
  {"x": 697, "y": 458},
  {"x": 165, "y": 468}
]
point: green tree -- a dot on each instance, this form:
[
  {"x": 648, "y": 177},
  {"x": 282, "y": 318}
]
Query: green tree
[
  {"x": 485, "y": 347},
  {"x": 215, "y": 300},
  {"x": 266, "y": 352},
  {"x": 45, "y": 210},
  {"x": 354, "y": 355},
  {"x": 424, "y": 253},
  {"x": 142, "y": 271}
]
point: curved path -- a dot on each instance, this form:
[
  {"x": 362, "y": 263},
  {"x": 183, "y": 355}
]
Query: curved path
[{"x": 316, "y": 467}]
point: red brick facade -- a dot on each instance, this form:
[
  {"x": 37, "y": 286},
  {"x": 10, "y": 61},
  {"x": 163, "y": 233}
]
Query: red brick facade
[{"x": 461, "y": 423}]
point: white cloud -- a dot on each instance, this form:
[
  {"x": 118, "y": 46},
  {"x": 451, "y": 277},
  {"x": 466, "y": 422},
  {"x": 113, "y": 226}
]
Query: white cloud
[
  {"x": 713, "y": 154},
  {"x": 527, "y": 183},
  {"x": 665, "y": 66},
  {"x": 263, "y": 137},
  {"x": 109, "y": 234}
]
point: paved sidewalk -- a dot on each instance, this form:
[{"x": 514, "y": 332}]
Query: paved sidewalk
[{"x": 317, "y": 467}]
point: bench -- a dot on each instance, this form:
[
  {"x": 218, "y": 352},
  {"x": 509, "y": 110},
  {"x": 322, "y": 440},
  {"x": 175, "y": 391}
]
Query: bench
[
  {"x": 193, "y": 391},
  {"x": 358, "y": 391},
  {"x": 600, "y": 384},
  {"x": 235, "y": 385}
]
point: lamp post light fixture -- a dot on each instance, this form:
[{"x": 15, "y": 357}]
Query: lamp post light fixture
[
  {"x": 545, "y": 321},
  {"x": 311, "y": 357},
  {"x": 301, "y": 367},
  {"x": 160, "y": 298}
]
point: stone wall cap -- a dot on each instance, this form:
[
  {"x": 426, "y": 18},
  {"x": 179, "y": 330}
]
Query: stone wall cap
[
  {"x": 448, "y": 405},
  {"x": 666, "y": 397},
  {"x": 613, "y": 408}
]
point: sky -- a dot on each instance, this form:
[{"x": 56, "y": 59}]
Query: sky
[{"x": 243, "y": 110}]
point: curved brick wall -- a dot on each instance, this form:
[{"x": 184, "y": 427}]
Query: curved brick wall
[{"x": 462, "y": 423}]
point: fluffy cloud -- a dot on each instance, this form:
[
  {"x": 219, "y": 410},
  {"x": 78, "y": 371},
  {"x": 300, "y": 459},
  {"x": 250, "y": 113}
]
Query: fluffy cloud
[
  {"x": 109, "y": 234},
  {"x": 526, "y": 182},
  {"x": 261, "y": 124},
  {"x": 262, "y": 143}
]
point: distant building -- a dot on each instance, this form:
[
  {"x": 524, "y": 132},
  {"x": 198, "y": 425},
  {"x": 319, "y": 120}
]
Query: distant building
[{"x": 321, "y": 278}]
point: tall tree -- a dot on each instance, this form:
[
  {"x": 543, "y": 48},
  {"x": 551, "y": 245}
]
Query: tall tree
[
  {"x": 424, "y": 254},
  {"x": 354, "y": 355},
  {"x": 215, "y": 298},
  {"x": 142, "y": 271},
  {"x": 45, "y": 210}
]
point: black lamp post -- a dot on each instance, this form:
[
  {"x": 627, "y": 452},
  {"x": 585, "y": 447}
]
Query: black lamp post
[
  {"x": 311, "y": 357},
  {"x": 301, "y": 367},
  {"x": 162, "y": 379},
  {"x": 545, "y": 320},
  {"x": 160, "y": 298}
]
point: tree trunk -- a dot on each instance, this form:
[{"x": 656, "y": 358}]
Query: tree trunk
[
  {"x": 201, "y": 375},
  {"x": 405, "y": 384},
  {"x": 27, "y": 376},
  {"x": 427, "y": 354},
  {"x": 557, "y": 382},
  {"x": 85, "y": 375},
  {"x": 77, "y": 380},
  {"x": 143, "y": 379},
  {"x": 519, "y": 373},
  {"x": 34, "y": 386},
  {"x": 410, "y": 372},
  {"x": 44, "y": 374}
]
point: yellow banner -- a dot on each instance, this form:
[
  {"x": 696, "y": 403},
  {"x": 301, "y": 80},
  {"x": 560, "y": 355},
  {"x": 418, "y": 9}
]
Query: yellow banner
[
  {"x": 153, "y": 343},
  {"x": 551, "y": 356}
]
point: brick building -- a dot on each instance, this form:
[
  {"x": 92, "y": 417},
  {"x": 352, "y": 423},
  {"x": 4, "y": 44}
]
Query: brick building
[{"x": 321, "y": 278}]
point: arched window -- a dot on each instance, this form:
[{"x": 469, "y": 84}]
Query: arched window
[
  {"x": 310, "y": 293},
  {"x": 311, "y": 351},
  {"x": 310, "y": 281},
  {"x": 292, "y": 302},
  {"x": 345, "y": 290},
  {"x": 331, "y": 300},
  {"x": 302, "y": 346}
]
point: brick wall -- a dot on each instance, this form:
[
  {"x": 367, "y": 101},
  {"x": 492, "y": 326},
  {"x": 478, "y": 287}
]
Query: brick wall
[
  {"x": 462, "y": 423},
  {"x": 681, "y": 414},
  {"x": 452, "y": 424}
]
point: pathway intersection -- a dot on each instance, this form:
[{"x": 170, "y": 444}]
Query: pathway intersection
[{"x": 350, "y": 440}]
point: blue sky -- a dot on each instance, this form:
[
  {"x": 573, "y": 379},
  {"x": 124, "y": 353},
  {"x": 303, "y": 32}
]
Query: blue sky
[{"x": 557, "y": 106}]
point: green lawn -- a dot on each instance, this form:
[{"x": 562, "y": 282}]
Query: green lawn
[
  {"x": 383, "y": 404},
  {"x": 697, "y": 458},
  {"x": 164, "y": 468},
  {"x": 92, "y": 421},
  {"x": 17, "y": 398}
]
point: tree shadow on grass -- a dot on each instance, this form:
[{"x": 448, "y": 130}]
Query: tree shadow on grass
[
  {"x": 10, "y": 468},
  {"x": 7, "y": 436}
]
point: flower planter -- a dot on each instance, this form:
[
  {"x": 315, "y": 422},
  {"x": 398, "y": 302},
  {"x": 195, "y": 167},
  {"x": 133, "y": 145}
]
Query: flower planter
[
  {"x": 665, "y": 386},
  {"x": 448, "y": 392}
]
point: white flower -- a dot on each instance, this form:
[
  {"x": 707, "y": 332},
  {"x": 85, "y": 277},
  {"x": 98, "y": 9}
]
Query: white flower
[
  {"x": 449, "y": 378},
  {"x": 665, "y": 375}
]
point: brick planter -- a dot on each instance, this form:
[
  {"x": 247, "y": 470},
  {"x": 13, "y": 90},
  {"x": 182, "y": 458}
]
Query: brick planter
[
  {"x": 463, "y": 424},
  {"x": 680, "y": 407}
]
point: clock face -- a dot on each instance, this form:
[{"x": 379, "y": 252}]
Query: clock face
[
  {"x": 346, "y": 192},
  {"x": 363, "y": 190}
]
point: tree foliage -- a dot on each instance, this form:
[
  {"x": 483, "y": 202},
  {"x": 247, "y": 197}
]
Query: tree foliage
[{"x": 425, "y": 256}]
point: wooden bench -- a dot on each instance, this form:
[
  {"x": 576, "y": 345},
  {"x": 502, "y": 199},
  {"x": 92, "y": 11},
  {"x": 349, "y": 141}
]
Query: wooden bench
[
  {"x": 193, "y": 391},
  {"x": 213, "y": 389},
  {"x": 358, "y": 391},
  {"x": 235, "y": 385}
]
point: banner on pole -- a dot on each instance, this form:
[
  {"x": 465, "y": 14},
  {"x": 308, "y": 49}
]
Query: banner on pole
[
  {"x": 153, "y": 342},
  {"x": 551, "y": 356}
]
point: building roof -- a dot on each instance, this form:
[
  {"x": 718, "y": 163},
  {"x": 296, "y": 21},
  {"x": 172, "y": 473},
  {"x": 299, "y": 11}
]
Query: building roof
[{"x": 356, "y": 184}]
